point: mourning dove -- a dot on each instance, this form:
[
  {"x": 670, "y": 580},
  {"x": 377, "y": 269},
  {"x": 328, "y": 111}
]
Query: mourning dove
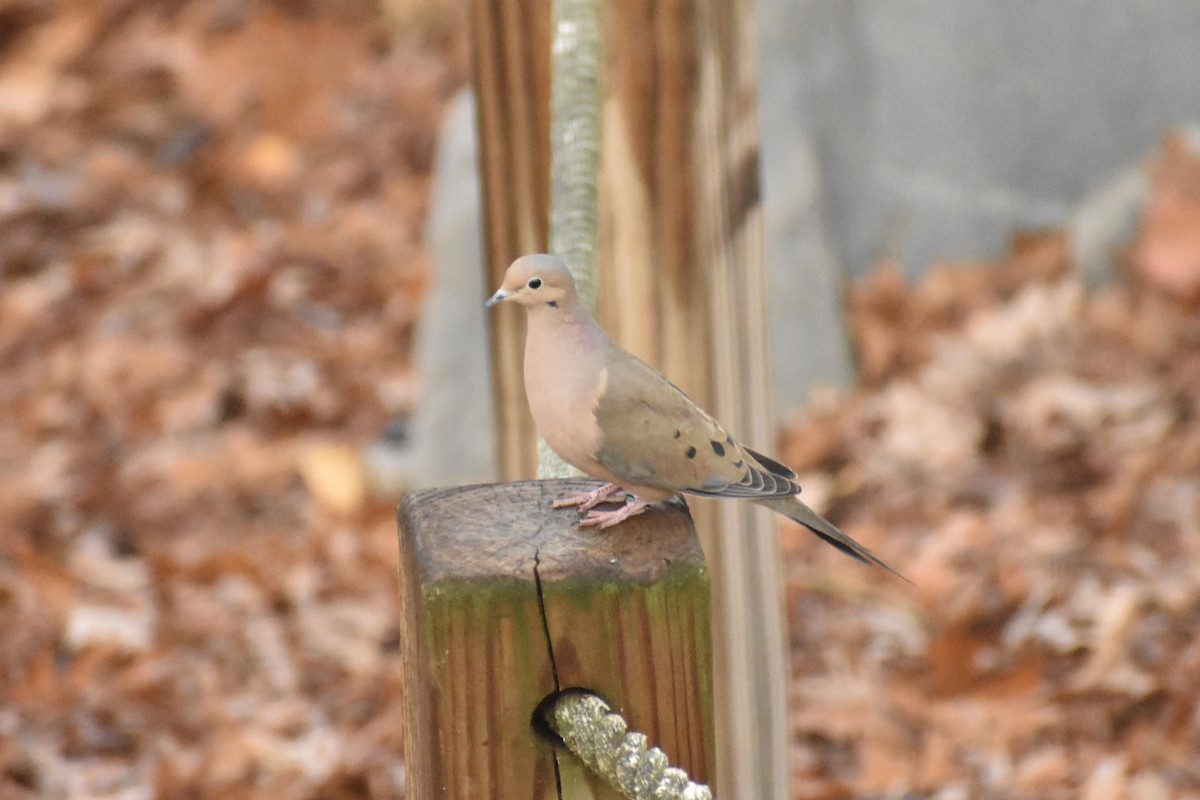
[{"x": 612, "y": 416}]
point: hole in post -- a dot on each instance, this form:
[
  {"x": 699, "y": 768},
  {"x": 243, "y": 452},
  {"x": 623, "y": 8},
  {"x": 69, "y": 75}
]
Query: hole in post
[{"x": 542, "y": 720}]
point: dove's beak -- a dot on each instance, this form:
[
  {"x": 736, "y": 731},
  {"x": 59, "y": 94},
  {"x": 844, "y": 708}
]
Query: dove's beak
[{"x": 499, "y": 297}]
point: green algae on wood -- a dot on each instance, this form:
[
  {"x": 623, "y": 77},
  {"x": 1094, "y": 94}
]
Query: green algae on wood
[{"x": 628, "y": 615}]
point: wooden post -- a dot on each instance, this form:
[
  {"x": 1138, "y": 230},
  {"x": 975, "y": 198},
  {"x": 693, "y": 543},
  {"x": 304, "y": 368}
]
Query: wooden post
[
  {"x": 510, "y": 65},
  {"x": 627, "y": 612},
  {"x": 681, "y": 285},
  {"x": 743, "y": 548}
]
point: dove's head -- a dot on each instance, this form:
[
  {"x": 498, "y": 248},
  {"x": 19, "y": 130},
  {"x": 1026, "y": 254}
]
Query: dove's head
[{"x": 536, "y": 281}]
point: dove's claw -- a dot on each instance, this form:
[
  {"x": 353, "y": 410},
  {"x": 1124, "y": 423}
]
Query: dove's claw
[
  {"x": 588, "y": 500},
  {"x": 607, "y": 519}
]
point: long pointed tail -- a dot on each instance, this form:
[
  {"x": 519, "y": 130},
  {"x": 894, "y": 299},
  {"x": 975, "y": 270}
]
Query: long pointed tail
[{"x": 793, "y": 509}]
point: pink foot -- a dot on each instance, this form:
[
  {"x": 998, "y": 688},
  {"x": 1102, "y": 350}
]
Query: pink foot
[
  {"x": 588, "y": 500},
  {"x": 606, "y": 519}
]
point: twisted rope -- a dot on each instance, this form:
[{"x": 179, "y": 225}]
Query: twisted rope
[
  {"x": 602, "y": 741},
  {"x": 576, "y": 63}
]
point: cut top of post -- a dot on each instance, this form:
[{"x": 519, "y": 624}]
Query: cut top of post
[{"x": 494, "y": 530}]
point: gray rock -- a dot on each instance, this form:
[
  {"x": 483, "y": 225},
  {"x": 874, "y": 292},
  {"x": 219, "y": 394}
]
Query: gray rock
[
  {"x": 929, "y": 131},
  {"x": 452, "y": 437}
]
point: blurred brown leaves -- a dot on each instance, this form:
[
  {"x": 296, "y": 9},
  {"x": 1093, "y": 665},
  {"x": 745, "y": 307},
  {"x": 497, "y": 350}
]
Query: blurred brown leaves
[
  {"x": 209, "y": 273},
  {"x": 1028, "y": 454}
]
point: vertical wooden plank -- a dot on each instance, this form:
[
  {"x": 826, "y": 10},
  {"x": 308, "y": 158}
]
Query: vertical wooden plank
[
  {"x": 510, "y": 75},
  {"x": 683, "y": 287},
  {"x": 752, "y": 659}
]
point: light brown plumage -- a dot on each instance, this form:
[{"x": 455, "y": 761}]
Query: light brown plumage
[{"x": 612, "y": 416}]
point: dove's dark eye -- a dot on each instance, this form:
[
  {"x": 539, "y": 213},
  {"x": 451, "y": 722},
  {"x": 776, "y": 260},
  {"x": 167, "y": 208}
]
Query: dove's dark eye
[{"x": 534, "y": 283}]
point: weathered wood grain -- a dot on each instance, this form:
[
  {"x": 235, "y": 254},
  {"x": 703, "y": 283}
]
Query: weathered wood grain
[
  {"x": 682, "y": 286},
  {"x": 511, "y": 76},
  {"x": 628, "y": 614}
]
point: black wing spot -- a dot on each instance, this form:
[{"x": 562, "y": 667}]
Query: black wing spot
[
  {"x": 691, "y": 452},
  {"x": 718, "y": 448},
  {"x": 738, "y": 463},
  {"x": 729, "y": 440},
  {"x": 676, "y": 434}
]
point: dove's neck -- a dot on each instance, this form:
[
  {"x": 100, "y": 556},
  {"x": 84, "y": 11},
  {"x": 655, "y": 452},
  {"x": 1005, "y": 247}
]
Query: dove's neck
[
  {"x": 568, "y": 329},
  {"x": 565, "y": 352}
]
